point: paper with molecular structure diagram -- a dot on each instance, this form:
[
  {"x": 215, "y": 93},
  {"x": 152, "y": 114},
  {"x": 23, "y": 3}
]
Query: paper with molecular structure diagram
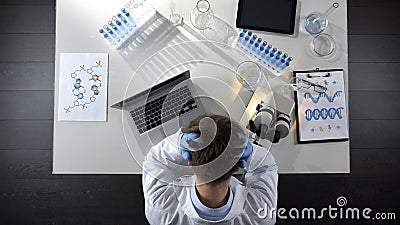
[{"x": 83, "y": 87}]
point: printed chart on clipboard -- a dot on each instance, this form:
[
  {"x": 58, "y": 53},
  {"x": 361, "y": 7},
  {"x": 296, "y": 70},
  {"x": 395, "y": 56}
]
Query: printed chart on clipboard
[{"x": 322, "y": 115}]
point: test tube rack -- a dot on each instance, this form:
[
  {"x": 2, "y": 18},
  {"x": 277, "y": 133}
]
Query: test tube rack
[
  {"x": 263, "y": 52},
  {"x": 125, "y": 24}
]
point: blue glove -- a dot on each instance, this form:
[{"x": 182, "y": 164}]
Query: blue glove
[
  {"x": 246, "y": 155},
  {"x": 184, "y": 147}
]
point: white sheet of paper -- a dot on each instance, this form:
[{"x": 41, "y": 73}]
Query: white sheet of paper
[
  {"x": 323, "y": 117},
  {"x": 83, "y": 87}
]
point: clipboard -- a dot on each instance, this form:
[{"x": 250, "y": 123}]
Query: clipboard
[{"x": 321, "y": 108}]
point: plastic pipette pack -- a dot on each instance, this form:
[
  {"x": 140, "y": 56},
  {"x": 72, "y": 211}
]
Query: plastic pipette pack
[
  {"x": 267, "y": 55},
  {"x": 125, "y": 23}
]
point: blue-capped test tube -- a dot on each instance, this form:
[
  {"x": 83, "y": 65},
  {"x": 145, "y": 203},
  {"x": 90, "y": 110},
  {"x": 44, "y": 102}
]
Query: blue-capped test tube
[
  {"x": 259, "y": 40},
  {"x": 107, "y": 37},
  {"x": 279, "y": 53},
  {"x": 240, "y": 38},
  {"x": 120, "y": 25},
  {"x": 260, "y": 50},
  {"x": 130, "y": 19},
  {"x": 245, "y": 40},
  {"x": 125, "y": 22},
  {"x": 284, "y": 56},
  {"x": 116, "y": 29},
  {"x": 244, "y": 31},
  {"x": 270, "y": 57},
  {"x": 274, "y": 60},
  {"x": 250, "y": 45},
  {"x": 274, "y": 50},
  {"x": 280, "y": 62},
  {"x": 264, "y": 54},
  {"x": 264, "y": 44},
  {"x": 269, "y": 47},
  {"x": 283, "y": 66},
  {"x": 113, "y": 35},
  {"x": 254, "y": 48},
  {"x": 249, "y": 34},
  {"x": 254, "y": 38},
  {"x": 289, "y": 60}
]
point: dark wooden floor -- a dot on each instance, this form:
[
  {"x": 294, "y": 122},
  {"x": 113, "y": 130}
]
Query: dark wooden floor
[{"x": 29, "y": 194}]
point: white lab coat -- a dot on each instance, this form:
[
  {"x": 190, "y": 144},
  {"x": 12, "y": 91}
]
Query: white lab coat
[{"x": 167, "y": 199}]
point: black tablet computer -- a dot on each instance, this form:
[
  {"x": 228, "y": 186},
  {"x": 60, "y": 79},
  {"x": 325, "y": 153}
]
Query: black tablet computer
[{"x": 267, "y": 15}]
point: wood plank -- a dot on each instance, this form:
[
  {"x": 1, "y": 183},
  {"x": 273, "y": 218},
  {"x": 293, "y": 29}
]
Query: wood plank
[
  {"x": 69, "y": 201},
  {"x": 375, "y": 20},
  {"x": 27, "y": 2},
  {"x": 374, "y": 105},
  {"x": 373, "y": 134},
  {"x": 26, "y": 164},
  {"x": 322, "y": 190},
  {"x": 374, "y": 48},
  {"x": 26, "y": 105},
  {"x": 373, "y": 3},
  {"x": 26, "y": 134},
  {"x": 374, "y": 76},
  {"x": 27, "y": 76},
  {"x": 27, "y": 47},
  {"x": 375, "y": 162},
  {"x": 27, "y": 19}
]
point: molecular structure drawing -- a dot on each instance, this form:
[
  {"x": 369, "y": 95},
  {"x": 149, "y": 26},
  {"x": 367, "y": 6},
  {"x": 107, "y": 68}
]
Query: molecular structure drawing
[{"x": 79, "y": 90}]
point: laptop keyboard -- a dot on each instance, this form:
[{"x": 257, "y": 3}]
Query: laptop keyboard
[{"x": 162, "y": 109}]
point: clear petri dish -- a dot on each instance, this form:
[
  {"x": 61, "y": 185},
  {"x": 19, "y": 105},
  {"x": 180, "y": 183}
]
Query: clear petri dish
[
  {"x": 249, "y": 75},
  {"x": 323, "y": 44}
]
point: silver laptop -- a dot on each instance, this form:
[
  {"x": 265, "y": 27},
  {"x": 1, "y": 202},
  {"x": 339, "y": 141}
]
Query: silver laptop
[{"x": 162, "y": 109}]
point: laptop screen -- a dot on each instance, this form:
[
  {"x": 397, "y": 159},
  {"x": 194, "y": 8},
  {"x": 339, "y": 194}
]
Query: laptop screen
[{"x": 164, "y": 86}]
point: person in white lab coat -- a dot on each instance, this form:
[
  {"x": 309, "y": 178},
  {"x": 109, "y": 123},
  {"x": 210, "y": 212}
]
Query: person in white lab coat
[{"x": 187, "y": 177}]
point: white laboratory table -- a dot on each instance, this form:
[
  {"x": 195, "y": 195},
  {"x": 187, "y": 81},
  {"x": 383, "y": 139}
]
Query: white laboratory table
[{"x": 103, "y": 148}]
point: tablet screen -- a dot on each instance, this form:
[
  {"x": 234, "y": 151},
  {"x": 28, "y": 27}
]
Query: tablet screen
[{"x": 267, "y": 15}]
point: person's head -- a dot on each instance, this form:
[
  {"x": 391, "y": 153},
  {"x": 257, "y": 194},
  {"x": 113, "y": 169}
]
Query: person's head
[{"x": 217, "y": 160}]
